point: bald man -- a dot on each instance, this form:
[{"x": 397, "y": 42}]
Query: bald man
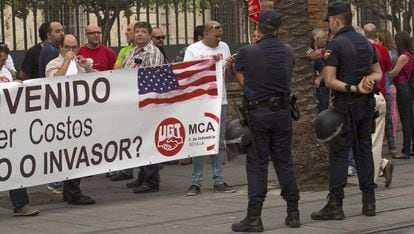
[
  {"x": 130, "y": 37},
  {"x": 103, "y": 57},
  {"x": 158, "y": 38},
  {"x": 380, "y": 164}
]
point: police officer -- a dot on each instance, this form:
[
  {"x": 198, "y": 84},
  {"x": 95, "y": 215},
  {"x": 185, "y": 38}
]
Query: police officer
[
  {"x": 351, "y": 70},
  {"x": 264, "y": 70}
]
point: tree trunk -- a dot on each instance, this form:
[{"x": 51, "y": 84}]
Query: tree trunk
[{"x": 309, "y": 156}]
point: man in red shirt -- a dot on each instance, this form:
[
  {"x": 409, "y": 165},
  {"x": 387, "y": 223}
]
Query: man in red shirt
[
  {"x": 103, "y": 57},
  {"x": 384, "y": 60}
]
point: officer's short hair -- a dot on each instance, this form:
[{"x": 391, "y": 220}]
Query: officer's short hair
[
  {"x": 346, "y": 18},
  {"x": 265, "y": 30},
  {"x": 143, "y": 24}
]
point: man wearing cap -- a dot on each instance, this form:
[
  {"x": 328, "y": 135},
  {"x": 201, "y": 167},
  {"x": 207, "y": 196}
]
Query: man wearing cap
[
  {"x": 351, "y": 71},
  {"x": 264, "y": 70}
]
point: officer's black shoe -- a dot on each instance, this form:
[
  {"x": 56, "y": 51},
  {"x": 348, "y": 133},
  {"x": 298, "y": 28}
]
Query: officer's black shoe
[
  {"x": 331, "y": 211},
  {"x": 368, "y": 204},
  {"x": 292, "y": 218},
  {"x": 252, "y": 222}
]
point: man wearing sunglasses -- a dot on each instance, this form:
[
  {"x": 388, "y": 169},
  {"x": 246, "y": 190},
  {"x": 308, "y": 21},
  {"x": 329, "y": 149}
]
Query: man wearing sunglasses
[
  {"x": 210, "y": 47},
  {"x": 158, "y": 38},
  {"x": 103, "y": 57}
]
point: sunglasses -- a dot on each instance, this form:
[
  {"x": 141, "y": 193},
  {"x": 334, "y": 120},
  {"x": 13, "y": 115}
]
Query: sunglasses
[
  {"x": 160, "y": 37},
  {"x": 217, "y": 26}
]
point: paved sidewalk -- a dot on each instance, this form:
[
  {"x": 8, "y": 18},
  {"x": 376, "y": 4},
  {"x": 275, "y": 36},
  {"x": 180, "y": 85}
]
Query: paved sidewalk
[{"x": 118, "y": 210}]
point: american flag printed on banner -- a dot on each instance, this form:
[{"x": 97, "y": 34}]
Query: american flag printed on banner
[{"x": 172, "y": 83}]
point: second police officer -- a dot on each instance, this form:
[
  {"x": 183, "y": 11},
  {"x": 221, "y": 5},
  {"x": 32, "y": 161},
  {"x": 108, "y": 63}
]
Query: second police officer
[
  {"x": 351, "y": 70},
  {"x": 264, "y": 70}
]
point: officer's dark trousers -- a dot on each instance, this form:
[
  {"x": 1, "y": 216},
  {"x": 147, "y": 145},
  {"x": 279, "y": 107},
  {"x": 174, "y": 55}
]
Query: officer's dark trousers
[
  {"x": 405, "y": 109},
  {"x": 338, "y": 153},
  {"x": 273, "y": 136},
  {"x": 151, "y": 175},
  {"x": 19, "y": 198}
]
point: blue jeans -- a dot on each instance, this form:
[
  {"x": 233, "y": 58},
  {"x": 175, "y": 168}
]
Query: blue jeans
[
  {"x": 389, "y": 128},
  {"x": 216, "y": 159},
  {"x": 351, "y": 161},
  {"x": 322, "y": 94},
  {"x": 19, "y": 198},
  {"x": 405, "y": 108}
]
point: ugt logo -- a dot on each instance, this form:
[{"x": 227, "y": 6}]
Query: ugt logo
[{"x": 169, "y": 137}]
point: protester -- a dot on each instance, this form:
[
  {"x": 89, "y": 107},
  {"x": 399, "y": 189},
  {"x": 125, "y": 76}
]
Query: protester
[
  {"x": 316, "y": 54},
  {"x": 30, "y": 65},
  {"x": 401, "y": 73},
  {"x": 211, "y": 46},
  {"x": 386, "y": 40},
  {"x": 103, "y": 57},
  {"x": 351, "y": 70},
  {"x": 144, "y": 54},
  {"x": 18, "y": 197},
  {"x": 198, "y": 36},
  {"x": 384, "y": 59},
  {"x": 269, "y": 120},
  {"x": 130, "y": 37},
  {"x": 158, "y": 38},
  {"x": 51, "y": 50}
]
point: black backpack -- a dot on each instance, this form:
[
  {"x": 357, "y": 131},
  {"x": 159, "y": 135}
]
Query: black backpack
[{"x": 410, "y": 79}]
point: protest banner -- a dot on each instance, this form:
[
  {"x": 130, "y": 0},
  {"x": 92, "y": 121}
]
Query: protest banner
[{"x": 54, "y": 129}]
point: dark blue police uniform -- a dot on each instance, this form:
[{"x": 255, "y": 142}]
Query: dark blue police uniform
[
  {"x": 267, "y": 68},
  {"x": 353, "y": 56}
]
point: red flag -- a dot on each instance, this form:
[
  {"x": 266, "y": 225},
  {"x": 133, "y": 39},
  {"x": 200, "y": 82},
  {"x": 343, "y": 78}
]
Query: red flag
[{"x": 254, "y": 9}]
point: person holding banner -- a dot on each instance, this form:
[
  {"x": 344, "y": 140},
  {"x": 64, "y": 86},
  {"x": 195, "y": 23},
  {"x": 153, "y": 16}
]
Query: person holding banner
[
  {"x": 144, "y": 54},
  {"x": 264, "y": 70},
  {"x": 18, "y": 197},
  {"x": 211, "y": 46},
  {"x": 67, "y": 63}
]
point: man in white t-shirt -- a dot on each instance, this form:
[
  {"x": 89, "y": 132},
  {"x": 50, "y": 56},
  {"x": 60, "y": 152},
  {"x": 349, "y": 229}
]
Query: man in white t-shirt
[{"x": 209, "y": 47}]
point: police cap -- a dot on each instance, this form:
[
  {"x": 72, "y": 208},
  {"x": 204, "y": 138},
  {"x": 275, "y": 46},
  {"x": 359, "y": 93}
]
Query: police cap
[
  {"x": 337, "y": 8},
  {"x": 270, "y": 19}
]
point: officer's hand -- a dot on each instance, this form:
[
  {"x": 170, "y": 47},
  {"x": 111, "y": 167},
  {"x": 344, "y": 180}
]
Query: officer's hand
[{"x": 366, "y": 85}]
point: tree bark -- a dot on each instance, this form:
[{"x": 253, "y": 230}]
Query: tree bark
[{"x": 309, "y": 156}]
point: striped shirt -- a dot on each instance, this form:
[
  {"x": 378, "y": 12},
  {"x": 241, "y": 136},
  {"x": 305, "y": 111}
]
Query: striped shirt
[{"x": 149, "y": 55}]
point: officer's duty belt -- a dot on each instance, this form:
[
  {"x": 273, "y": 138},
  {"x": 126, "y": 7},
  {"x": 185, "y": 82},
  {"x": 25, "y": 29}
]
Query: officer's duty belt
[{"x": 274, "y": 104}]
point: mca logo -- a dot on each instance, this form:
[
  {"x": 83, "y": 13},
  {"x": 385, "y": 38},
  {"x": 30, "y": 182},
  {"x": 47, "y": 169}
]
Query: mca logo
[{"x": 169, "y": 137}]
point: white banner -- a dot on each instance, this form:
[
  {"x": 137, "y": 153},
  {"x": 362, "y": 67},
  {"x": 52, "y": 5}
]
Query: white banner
[{"x": 54, "y": 129}]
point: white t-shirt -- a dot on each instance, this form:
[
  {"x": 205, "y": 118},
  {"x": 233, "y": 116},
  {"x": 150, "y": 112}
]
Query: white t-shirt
[
  {"x": 200, "y": 51},
  {"x": 5, "y": 75},
  {"x": 10, "y": 63}
]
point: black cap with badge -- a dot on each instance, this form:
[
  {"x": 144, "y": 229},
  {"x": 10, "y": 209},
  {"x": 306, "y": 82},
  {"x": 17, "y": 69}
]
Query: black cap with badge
[
  {"x": 337, "y": 8},
  {"x": 271, "y": 19}
]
